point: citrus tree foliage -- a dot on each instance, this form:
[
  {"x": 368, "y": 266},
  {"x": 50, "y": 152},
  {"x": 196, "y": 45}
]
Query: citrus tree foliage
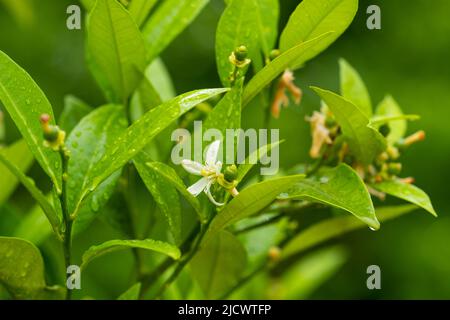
[{"x": 111, "y": 162}]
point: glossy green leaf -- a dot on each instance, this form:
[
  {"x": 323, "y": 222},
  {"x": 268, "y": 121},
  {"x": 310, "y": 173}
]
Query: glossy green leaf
[
  {"x": 132, "y": 293},
  {"x": 172, "y": 177},
  {"x": 19, "y": 154},
  {"x": 116, "y": 49},
  {"x": 249, "y": 202},
  {"x": 87, "y": 145},
  {"x": 140, "y": 9},
  {"x": 37, "y": 194},
  {"x": 74, "y": 110},
  {"x": 22, "y": 270},
  {"x": 277, "y": 66},
  {"x": 407, "y": 192},
  {"x": 313, "y": 18},
  {"x": 390, "y": 108},
  {"x": 365, "y": 142},
  {"x": 227, "y": 115},
  {"x": 167, "y": 22},
  {"x": 236, "y": 28},
  {"x": 267, "y": 15},
  {"x": 219, "y": 264},
  {"x": 25, "y": 102},
  {"x": 138, "y": 135},
  {"x": 340, "y": 187},
  {"x": 164, "y": 193},
  {"x": 354, "y": 89},
  {"x": 116, "y": 245},
  {"x": 335, "y": 227}
]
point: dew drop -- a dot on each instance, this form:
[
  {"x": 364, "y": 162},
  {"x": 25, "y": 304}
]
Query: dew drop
[
  {"x": 372, "y": 229},
  {"x": 95, "y": 206}
]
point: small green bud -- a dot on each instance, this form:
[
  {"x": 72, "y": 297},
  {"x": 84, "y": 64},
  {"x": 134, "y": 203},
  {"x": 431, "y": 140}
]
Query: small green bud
[
  {"x": 385, "y": 130},
  {"x": 394, "y": 168},
  {"x": 393, "y": 153},
  {"x": 274, "y": 54},
  {"x": 241, "y": 53},
  {"x": 230, "y": 173}
]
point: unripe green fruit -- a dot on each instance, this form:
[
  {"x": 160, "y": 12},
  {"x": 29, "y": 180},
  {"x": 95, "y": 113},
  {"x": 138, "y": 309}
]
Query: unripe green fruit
[
  {"x": 241, "y": 53},
  {"x": 51, "y": 134}
]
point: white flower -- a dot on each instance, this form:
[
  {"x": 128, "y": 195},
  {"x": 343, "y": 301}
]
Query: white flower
[{"x": 210, "y": 172}]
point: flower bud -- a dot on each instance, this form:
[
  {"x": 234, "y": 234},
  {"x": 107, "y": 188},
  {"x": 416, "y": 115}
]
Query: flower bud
[
  {"x": 394, "y": 168},
  {"x": 241, "y": 53},
  {"x": 230, "y": 173},
  {"x": 53, "y": 136},
  {"x": 274, "y": 54}
]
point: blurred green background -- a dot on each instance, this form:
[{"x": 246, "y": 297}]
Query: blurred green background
[{"x": 408, "y": 58}]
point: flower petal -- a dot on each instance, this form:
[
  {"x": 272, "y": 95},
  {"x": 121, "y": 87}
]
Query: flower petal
[
  {"x": 192, "y": 167},
  {"x": 212, "y": 152},
  {"x": 210, "y": 196},
  {"x": 198, "y": 187}
]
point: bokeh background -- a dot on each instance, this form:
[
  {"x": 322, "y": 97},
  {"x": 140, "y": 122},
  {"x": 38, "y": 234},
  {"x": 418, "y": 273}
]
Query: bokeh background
[{"x": 408, "y": 58}]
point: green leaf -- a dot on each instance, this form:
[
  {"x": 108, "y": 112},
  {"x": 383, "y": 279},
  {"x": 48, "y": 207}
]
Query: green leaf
[
  {"x": 377, "y": 121},
  {"x": 227, "y": 115},
  {"x": 340, "y": 187},
  {"x": 87, "y": 145},
  {"x": 236, "y": 28},
  {"x": 172, "y": 177},
  {"x": 144, "y": 99},
  {"x": 307, "y": 275},
  {"x": 167, "y": 22},
  {"x": 88, "y": 4},
  {"x": 277, "y": 66},
  {"x": 19, "y": 154},
  {"x": 335, "y": 227},
  {"x": 249, "y": 202},
  {"x": 140, "y": 9},
  {"x": 354, "y": 89},
  {"x": 138, "y": 135},
  {"x": 37, "y": 194},
  {"x": 132, "y": 293},
  {"x": 116, "y": 245},
  {"x": 160, "y": 78},
  {"x": 390, "y": 108},
  {"x": 34, "y": 227},
  {"x": 116, "y": 50},
  {"x": 219, "y": 264},
  {"x": 74, "y": 110},
  {"x": 22, "y": 270},
  {"x": 164, "y": 193},
  {"x": 313, "y": 18},
  {"x": 25, "y": 103},
  {"x": 407, "y": 192},
  {"x": 364, "y": 141},
  {"x": 267, "y": 15},
  {"x": 245, "y": 167}
]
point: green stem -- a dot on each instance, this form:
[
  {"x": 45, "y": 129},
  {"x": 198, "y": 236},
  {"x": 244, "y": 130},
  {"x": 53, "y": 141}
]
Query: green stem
[
  {"x": 146, "y": 279},
  {"x": 67, "y": 243}
]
